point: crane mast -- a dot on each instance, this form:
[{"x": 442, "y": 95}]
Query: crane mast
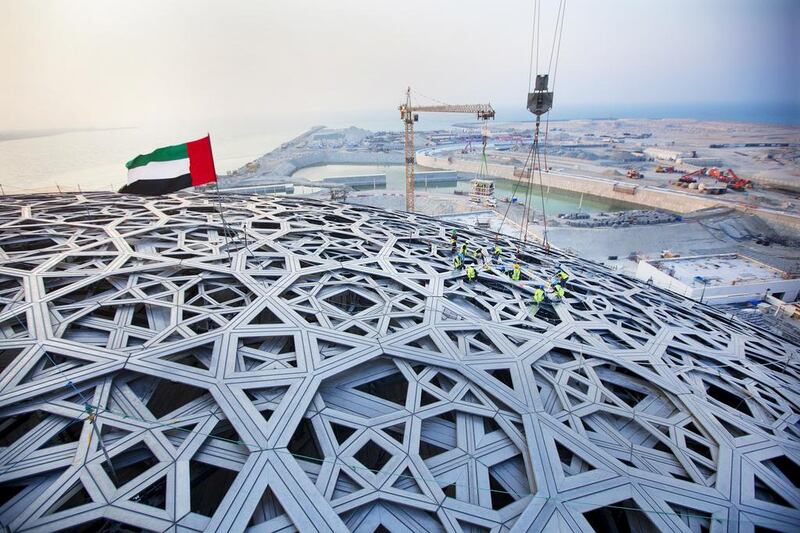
[{"x": 410, "y": 114}]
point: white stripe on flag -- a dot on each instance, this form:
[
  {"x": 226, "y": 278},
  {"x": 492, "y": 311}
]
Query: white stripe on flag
[{"x": 159, "y": 170}]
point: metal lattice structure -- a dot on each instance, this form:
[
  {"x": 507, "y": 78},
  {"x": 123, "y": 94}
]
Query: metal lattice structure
[{"x": 319, "y": 367}]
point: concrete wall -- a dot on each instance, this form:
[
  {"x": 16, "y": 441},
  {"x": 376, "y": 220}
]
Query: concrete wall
[
  {"x": 436, "y": 176},
  {"x": 358, "y": 181},
  {"x": 782, "y": 222}
]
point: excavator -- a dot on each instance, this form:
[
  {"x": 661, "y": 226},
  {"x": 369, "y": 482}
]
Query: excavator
[
  {"x": 734, "y": 182},
  {"x": 634, "y": 174},
  {"x": 686, "y": 179}
]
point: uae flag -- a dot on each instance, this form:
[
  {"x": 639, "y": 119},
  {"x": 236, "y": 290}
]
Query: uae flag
[{"x": 171, "y": 169}]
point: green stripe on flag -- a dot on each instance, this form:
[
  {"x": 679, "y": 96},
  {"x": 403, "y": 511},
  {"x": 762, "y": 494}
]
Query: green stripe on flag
[{"x": 168, "y": 153}]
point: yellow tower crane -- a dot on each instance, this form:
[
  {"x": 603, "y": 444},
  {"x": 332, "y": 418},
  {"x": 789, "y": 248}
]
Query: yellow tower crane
[{"x": 410, "y": 114}]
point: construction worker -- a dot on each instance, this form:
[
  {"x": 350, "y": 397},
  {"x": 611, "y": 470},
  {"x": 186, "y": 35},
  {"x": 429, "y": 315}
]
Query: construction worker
[
  {"x": 476, "y": 254},
  {"x": 538, "y": 295},
  {"x": 496, "y": 253},
  {"x": 471, "y": 273},
  {"x": 561, "y": 277},
  {"x": 458, "y": 263},
  {"x": 487, "y": 266},
  {"x": 538, "y": 298},
  {"x": 453, "y": 244},
  {"x": 463, "y": 249},
  {"x": 515, "y": 272},
  {"x": 559, "y": 290}
]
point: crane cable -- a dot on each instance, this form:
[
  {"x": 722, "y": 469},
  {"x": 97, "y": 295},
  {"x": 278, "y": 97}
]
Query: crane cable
[
  {"x": 513, "y": 194},
  {"x": 534, "y": 60},
  {"x": 523, "y": 230},
  {"x": 525, "y": 172},
  {"x": 536, "y": 164},
  {"x": 556, "y": 48}
]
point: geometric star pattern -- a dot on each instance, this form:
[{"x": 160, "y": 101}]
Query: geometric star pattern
[{"x": 316, "y": 366}]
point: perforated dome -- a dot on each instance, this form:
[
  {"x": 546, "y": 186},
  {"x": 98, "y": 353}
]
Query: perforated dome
[{"x": 320, "y": 367}]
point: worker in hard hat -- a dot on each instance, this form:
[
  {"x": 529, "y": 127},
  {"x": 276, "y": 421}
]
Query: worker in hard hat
[
  {"x": 538, "y": 294},
  {"x": 496, "y": 253},
  {"x": 476, "y": 254},
  {"x": 538, "y": 298},
  {"x": 471, "y": 273},
  {"x": 458, "y": 263},
  {"x": 453, "y": 244},
  {"x": 515, "y": 272},
  {"x": 559, "y": 291},
  {"x": 463, "y": 249},
  {"x": 561, "y": 277}
]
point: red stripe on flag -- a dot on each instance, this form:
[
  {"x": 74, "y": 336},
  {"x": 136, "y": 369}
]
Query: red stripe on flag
[{"x": 201, "y": 161}]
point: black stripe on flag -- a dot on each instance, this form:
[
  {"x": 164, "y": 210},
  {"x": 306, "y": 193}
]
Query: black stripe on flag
[{"x": 158, "y": 187}]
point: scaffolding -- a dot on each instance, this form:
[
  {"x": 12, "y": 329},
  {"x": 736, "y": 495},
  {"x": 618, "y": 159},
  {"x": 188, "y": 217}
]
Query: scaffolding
[{"x": 482, "y": 191}]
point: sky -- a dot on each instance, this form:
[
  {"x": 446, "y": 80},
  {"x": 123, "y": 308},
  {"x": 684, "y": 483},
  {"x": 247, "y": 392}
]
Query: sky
[{"x": 111, "y": 63}]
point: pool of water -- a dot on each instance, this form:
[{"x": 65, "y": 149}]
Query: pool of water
[
  {"x": 556, "y": 200},
  {"x": 395, "y": 174}
]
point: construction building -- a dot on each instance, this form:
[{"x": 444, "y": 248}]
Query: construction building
[
  {"x": 720, "y": 279},
  {"x": 665, "y": 154},
  {"x": 253, "y": 363}
]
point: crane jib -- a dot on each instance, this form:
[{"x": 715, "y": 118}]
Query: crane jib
[{"x": 410, "y": 114}]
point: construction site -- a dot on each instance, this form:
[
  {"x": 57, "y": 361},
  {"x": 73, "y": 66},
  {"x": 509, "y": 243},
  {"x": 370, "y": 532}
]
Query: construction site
[
  {"x": 541, "y": 325},
  {"x": 198, "y": 362},
  {"x": 659, "y": 206}
]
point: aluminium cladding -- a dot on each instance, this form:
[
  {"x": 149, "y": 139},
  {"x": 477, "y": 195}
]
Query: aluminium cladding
[{"x": 321, "y": 368}]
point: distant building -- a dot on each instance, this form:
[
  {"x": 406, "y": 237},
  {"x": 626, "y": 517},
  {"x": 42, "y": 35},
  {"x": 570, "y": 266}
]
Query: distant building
[
  {"x": 664, "y": 154},
  {"x": 719, "y": 279},
  {"x": 701, "y": 161},
  {"x": 625, "y": 156}
]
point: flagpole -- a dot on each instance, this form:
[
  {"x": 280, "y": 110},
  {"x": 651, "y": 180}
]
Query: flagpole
[
  {"x": 219, "y": 208},
  {"x": 224, "y": 223}
]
